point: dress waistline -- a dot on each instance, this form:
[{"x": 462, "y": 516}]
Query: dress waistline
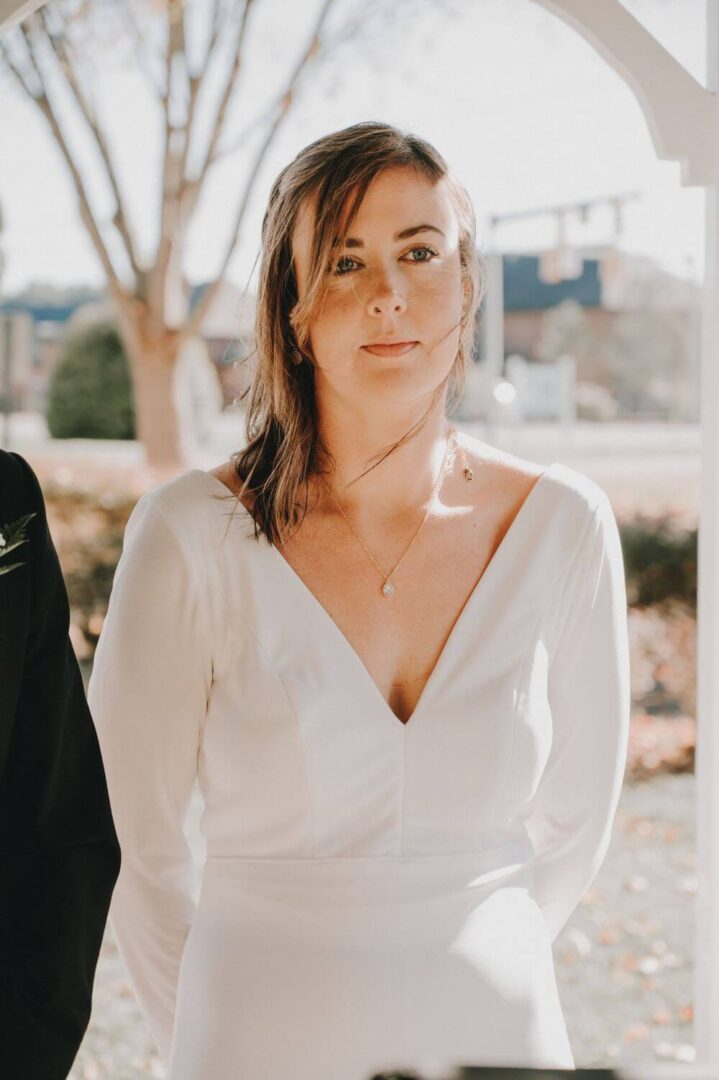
[{"x": 383, "y": 877}]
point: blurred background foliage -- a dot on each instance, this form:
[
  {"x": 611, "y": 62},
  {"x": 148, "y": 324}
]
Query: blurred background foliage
[{"x": 90, "y": 394}]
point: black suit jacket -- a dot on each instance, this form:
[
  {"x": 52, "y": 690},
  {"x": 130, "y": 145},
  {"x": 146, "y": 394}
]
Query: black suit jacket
[{"x": 59, "y": 854}]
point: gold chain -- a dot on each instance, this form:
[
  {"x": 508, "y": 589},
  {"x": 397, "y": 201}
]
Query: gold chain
[{"x": 388, "y": 588}]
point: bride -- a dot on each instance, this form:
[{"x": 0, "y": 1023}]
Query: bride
[{"x": 394, "y": 657}]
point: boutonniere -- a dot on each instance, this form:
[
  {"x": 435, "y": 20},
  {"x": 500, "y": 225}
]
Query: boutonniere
[{"x": 12, "y": 536}]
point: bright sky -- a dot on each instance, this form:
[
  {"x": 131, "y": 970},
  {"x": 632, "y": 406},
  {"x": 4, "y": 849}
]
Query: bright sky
[{"x": 523, "y": 109}]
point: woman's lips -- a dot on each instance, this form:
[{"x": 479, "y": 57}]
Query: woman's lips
[{"x": 398, "y": 349}]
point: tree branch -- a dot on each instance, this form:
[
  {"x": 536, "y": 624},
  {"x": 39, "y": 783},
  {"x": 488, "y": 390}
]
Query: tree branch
[
  {"x": 178, "y": 200},
  {"x": 58, "y": 45},
  {"x": 194, "y": 85},
  {"x": 142, "y": 51},
  {"x": 347, "y": 32},
  {"x": 282, "y": 107},
  {"x": 214, "y": 33},
  {"x": 193, "y": 185},
  {"x": 41, "y": 99},
  {"x": 172, "y": 155},
  {"x": 16, "y": 73}
]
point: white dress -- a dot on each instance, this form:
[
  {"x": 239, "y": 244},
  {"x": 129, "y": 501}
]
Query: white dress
[{"x": 375, "y": 895}]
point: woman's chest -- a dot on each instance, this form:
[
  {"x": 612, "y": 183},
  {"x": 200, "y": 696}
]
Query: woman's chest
[
  {"x": 300, "y": 736},
  {"x": 397, "y": 634},
  {"x": 301, "y": 741}
]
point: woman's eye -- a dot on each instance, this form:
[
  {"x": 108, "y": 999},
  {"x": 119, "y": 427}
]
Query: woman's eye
[
  {"x": 340, "y": 271},
  {"x": 431, "y": 251}
]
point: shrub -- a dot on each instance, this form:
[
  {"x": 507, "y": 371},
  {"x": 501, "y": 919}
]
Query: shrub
[
  {"x": 660, "y": 561},
  {"x": 90, "y": 393}
]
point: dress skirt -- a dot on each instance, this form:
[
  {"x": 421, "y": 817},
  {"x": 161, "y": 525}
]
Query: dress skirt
[{"x": 339, "y": 968}]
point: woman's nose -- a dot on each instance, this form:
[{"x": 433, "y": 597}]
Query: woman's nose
[{"x": 386, "y": 298}]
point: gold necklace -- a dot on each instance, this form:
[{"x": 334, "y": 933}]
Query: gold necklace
[{"x": 388, "y": 588}]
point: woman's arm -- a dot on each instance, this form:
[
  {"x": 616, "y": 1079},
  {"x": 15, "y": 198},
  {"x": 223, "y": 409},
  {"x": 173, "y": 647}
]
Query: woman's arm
[
  {"x": 148, "y": 695},
  {"x": 589, "y": 696}
]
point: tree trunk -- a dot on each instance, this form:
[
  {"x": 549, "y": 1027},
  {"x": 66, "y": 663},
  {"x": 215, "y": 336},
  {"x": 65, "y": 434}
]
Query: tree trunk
[
  {"x": 152, "y": 354},
  {"x": 155, "y": 414}
]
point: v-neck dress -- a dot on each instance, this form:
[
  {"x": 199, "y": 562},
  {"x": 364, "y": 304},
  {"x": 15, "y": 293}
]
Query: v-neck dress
[{"x": 375, "y": 895}]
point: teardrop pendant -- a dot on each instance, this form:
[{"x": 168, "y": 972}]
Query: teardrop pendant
[
  {"x": 388, "y": 588},
  {"x": 468, "y": 474}
]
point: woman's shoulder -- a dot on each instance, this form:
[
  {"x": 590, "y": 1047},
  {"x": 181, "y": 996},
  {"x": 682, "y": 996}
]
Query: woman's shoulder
[
  {"x": 579, "y": 489},
  {"x": 193, "y": 505},
  {"x": 576, "y": 491}
]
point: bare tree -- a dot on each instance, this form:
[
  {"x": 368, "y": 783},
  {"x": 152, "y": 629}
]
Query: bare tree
[{"x": 53, "y": 58}]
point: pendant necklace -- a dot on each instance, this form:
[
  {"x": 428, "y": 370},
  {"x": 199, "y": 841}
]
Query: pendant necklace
[{"x": 388, "y": 588}]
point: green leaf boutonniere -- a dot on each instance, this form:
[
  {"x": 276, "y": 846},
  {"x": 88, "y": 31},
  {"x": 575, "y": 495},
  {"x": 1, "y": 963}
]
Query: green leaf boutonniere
[{"x": 13, "y": 535}]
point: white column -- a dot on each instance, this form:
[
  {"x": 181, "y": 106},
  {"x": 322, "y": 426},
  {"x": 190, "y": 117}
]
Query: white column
[{"x": 706, "y": 942}]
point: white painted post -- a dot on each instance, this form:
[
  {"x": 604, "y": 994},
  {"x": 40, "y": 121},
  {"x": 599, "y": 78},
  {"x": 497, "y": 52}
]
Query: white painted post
[{"x": 706, "y": 941}]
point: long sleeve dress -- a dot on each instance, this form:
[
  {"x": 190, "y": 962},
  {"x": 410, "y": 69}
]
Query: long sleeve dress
[{"x": 375, "y": 895}]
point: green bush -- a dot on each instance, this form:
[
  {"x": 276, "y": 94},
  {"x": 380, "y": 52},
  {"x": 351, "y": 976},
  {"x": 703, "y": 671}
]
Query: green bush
[
  {"x": 660, "y": 561},
  {"x": 90, "y": 392}
]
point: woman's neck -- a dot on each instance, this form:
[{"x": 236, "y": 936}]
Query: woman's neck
[{"x": 398, "y": 485}]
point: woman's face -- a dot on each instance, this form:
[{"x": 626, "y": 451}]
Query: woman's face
[{"x": 396, "y": 278}]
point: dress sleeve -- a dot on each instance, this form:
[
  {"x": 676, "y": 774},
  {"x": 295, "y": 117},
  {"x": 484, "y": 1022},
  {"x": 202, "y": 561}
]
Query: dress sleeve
[
  {"x": 589, "y": 697},
  {"x": 148, "y": 694}
]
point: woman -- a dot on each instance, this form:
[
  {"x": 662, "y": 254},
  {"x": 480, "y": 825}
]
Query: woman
[{"x": 398, "y": 667}]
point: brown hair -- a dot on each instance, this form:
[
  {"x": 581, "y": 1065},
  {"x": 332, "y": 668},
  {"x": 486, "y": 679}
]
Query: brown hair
[{"x": 284, "y": 444}]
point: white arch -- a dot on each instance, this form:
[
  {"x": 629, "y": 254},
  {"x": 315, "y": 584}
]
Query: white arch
[{"x": 681, "y": 113}]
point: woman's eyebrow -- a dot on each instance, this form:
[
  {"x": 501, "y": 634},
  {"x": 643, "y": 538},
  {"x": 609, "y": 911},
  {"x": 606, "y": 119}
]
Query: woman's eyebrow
[{"x": 403, "y": 234}]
